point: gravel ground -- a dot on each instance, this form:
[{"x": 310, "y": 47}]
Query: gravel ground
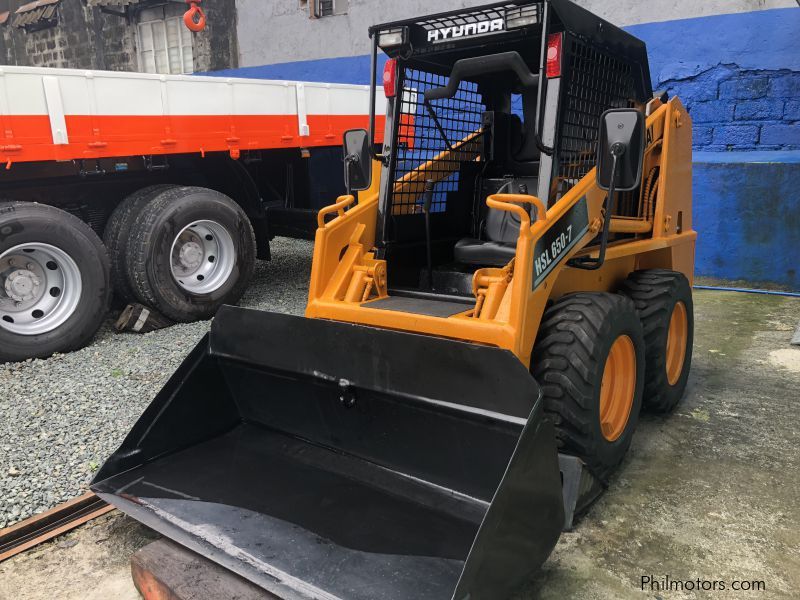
[{"x": 64, "y": 415}]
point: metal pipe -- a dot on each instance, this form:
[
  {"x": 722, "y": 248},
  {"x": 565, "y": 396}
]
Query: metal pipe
[
  {"x": 747, "y": 291},
  {"x": 372, "y": 86},
  {"x": 543, "y": 82},
  {"x": 427, "y": 199}
]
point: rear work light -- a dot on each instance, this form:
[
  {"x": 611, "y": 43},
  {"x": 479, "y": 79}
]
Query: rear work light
[
  {"x": 522, "y": 16},
  {"x": 554, "y": 45},
  {"x": 390, "y": 78},
  {"x": 392, "y": 38}
]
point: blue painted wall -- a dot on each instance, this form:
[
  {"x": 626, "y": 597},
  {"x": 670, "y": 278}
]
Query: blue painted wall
[
  {"x": 747, "y": 215},
  {"x": 739, "y": 76},
  {"x": 351, "y": 69}
]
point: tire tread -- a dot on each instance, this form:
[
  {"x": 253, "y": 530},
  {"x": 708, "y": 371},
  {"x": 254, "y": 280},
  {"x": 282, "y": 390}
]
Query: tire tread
[
  {"x": 117, "y": 235},
  {"x": 567, "y": 362},
  {"x": 89, "y": 315},
  {"x": 144, "y": 230},
  {"x": 654, "y": 292}
]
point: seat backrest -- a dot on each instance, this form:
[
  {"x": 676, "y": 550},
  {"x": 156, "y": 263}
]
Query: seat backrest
[
  {"x": 506, "y": 142},
  {"x": 501, "y": 226}
]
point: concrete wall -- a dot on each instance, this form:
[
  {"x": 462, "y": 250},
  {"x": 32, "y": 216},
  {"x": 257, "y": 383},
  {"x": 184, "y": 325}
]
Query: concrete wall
[
  {"x": 281, "y": 31},
  {"x": 83, "y": 38},
  {"x": 86, "y": 38}
]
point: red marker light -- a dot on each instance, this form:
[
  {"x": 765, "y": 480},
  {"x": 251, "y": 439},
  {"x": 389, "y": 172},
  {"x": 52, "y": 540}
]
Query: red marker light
[
  {"x": 390, "y": 78},
  {"x": 554, "y": 41}
]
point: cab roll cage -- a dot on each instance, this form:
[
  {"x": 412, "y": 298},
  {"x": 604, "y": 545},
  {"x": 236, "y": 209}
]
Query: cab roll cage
[{"x": 517, "y": 67}]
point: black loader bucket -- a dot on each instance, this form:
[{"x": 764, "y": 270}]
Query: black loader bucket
[{"x": 328, "y": 460}]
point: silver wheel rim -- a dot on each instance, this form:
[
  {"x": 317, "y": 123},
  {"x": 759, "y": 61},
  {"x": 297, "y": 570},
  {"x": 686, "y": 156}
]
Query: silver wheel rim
[
  {"x": 40, "y": 288},
  {"x": 202, "y": 257}
]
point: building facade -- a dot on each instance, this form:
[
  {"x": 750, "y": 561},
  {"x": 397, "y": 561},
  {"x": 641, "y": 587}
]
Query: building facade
[{"x": 116, "y": 35}]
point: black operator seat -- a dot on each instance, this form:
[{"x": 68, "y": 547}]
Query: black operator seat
[
  {"x": 511, "y": 149},
  {"x": 498, "y": 243},
  {"x": 498, "y": 249}
]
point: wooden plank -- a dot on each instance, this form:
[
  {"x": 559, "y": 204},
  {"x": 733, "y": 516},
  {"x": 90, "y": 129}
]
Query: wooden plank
[
  {"x": 140, "y": 319},
  {"x": 164, "y": 570}
]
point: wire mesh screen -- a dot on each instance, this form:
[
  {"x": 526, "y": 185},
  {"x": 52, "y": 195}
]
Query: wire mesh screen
[
  {"x": 596, "y": 83},
  {"x": 433, "y": 144}
]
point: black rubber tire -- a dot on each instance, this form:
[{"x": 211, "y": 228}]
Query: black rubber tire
[
  {"x": 655, "y": 292},
  {"x": 24, "y": 222},
  {"x": 148, "y": 257},
  {"x": 117, "y": 234},
  {"x": 569, "y": 357}
]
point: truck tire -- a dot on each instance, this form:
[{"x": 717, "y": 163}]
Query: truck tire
[
  {"x": 663, "y": 300},
  {"x": 55, "y": 282},
  {"x": 117, "y": 234},
  {"x": 589, "y": 361},
  {"x": 191, "y": 250}
]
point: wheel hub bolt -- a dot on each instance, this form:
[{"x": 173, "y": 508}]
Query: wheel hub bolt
[
  {"x": 191, "y": 255},
  {"x": 22, "y": 285}
]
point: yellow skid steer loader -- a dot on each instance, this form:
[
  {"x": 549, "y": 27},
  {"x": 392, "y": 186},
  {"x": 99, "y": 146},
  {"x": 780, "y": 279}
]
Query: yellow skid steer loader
[{"x": 485, "y": 321}]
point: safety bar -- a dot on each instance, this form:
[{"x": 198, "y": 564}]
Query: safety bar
[
  {"x": 484, "y": 65},
  {"x": 511, "y": 202},
  {"x": 342, "y": 202}
]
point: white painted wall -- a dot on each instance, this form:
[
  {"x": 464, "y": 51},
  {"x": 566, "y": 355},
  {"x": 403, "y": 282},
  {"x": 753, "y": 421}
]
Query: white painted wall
[
  {"x": 633, "y": 12},
  {"x": 278, "y": 31}
]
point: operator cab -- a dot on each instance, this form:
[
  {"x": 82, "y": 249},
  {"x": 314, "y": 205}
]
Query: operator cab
[
  {"x": 469, "y": 133},
  {"x": 478, "y": 105}
]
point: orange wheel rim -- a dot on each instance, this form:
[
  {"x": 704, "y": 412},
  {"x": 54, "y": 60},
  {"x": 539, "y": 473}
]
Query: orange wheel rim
[
  {"x": 676, "y": 342},
  {"x": 617, "y": 388}
]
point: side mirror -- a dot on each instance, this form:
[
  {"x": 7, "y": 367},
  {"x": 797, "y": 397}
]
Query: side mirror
[
  {"x": 620, "y": 149},
  {"x": 357, "y": 160},
  {"x": 619, "y": 168}
]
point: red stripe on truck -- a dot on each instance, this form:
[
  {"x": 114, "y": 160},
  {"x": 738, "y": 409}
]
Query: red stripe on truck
[{"x": 28, "y": 138}]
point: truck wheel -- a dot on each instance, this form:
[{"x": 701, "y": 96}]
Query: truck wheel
[
  {"x": 117, "y": 233},
  {"x": 663, "y": 300},
  {"x": 54, "y": 281},
  {"x": 589, "y": 361},
  {"x": 191, "y": 250}
]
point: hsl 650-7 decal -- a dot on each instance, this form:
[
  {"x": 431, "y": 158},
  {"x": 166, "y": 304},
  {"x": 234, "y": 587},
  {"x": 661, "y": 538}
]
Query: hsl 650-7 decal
[{"x": 557, "y": 241}]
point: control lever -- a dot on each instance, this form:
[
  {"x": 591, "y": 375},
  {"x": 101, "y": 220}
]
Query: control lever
[{"x": 427, "y": 200}]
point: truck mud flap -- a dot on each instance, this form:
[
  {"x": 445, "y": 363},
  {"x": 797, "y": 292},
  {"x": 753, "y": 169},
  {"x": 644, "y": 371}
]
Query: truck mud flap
[{"x": 329, "y": 460}]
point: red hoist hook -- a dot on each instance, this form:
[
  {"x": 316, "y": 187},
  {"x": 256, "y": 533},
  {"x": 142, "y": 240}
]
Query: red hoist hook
[{"x": 194, "y": 18}]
